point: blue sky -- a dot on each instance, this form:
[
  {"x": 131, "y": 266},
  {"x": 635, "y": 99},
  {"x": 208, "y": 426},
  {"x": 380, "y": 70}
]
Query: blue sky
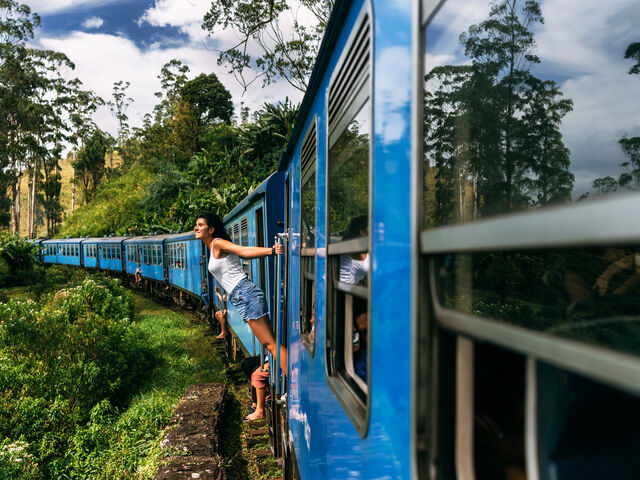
[{"x": 130, "y": 40}]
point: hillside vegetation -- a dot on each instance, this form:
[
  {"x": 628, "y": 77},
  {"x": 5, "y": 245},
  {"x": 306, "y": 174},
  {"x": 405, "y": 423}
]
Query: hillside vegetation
[{"x": 89, "y": 372}]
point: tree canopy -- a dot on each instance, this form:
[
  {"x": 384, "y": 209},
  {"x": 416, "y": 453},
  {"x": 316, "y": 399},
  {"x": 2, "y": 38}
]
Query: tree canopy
[{"x": 283, "y": 52}]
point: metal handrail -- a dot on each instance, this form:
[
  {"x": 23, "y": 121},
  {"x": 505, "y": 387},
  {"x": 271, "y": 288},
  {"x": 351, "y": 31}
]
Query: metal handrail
[{"x": 278, "y": 332}]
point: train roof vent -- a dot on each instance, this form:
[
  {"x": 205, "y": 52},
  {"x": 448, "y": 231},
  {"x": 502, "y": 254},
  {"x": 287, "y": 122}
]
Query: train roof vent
[
  {"x": 244, "y": 231},
  {"x": 352, "y": 74},
  {"x": 236, "y": 231},
  {"x": 308, "y": 154}
]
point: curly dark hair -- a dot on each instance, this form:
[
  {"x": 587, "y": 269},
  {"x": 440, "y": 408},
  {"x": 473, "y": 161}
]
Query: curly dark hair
[{"x": 214, "y": 221}]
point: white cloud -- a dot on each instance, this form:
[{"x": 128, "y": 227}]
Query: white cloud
[
  {"x": 93, "y": 22},
  {"x": 393, "y": 67},
  {"x": 121, "y": 59},
  {"x": 45, "y": 7}
]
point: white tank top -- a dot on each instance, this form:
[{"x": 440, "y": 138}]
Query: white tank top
[{"x": 227, "y": 271}]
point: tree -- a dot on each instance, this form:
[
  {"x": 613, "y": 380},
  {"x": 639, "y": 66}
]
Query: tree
[
  {"x": 204, "y": 102},
  {"x": 209, "y": 98},
  {"x": 17, "y": 80},
  {"x": 492, "y": 129},
  {"x": 173, "y": 76},
  {"x": 288, "y": 54},
  {"x": 118, "y": 107},
  {"x": 90, "y": 164},
  {"x": 633, "y": 52}
]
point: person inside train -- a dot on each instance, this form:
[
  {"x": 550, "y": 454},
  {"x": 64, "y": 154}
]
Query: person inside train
[
  {"x": 221, "y": 315},
  {"x": 354, "y": 267},
  {"x": 226, "y": 267},
  {"x": 361, "y": 324}
]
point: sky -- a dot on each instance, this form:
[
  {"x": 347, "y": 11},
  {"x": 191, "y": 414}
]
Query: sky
[
  {"x": 130, "y": 40},
  {"x": 581, "y": 46}
]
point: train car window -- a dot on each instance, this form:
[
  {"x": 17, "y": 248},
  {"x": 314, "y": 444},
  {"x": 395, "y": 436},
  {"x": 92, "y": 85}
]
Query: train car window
[
  {"x": 244, "y": 240},
  {"x": 529, "y": 315},
  {"x": 230, "y": 233},
  {"x": 236, "y": 232},
  {"x": 308, "y": 161},
  {"x": 348, "y": 165},
  {"x": 244, "y": 231},
  {"x": 186, "y": 257},
  {"x": 262, "y": 264}
]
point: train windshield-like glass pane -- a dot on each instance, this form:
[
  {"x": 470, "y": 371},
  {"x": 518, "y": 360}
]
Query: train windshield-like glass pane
[{"x": 529, "y": 104}]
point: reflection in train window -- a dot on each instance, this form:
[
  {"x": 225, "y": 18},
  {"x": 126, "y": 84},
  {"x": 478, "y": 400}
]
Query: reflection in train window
[
  {"x": 308, "y": 238},
  {"x": 348, "y": 180},
  {"x": 588, "y": 295},
  {"x": 517, "y": 113}
]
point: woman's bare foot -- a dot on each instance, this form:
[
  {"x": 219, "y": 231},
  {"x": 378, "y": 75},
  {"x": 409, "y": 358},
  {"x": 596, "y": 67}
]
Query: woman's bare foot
[
  {"x": 257, "y": 415},
  {"x": 222, "y": 335}
]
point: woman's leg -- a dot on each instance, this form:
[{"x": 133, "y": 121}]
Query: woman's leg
[
  {"x": 258, "y": 380},
  {"x": 263, "y": 332},
  {"x": 221, "y": 316}
]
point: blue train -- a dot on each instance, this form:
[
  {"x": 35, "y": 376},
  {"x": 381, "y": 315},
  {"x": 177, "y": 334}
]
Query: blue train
[{"x": 461, "y": 287}]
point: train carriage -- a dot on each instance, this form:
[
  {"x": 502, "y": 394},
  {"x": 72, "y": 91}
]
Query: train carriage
[
  {"x": 349, "y": 256},
  {"x": 147, "y": 253},
  {"x": 186, "y": 258},
  {"x": 65, "y": 251},
  {"x": 256, "y": 221},
  {"x": 90, "y": 253},
  {"x": 104, "y": 253}
]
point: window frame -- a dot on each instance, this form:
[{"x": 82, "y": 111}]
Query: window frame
[
  {"x": 358, "y": 96},
  {"x": 309, "y": 254}
]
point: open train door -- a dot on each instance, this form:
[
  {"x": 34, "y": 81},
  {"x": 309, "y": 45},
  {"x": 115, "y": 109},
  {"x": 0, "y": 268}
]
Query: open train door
[{"x": 277, "y": 406}]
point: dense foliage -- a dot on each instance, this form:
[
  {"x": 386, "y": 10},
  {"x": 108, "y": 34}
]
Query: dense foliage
[
  {"x": 63, "y": 361},
  {"x": 17, "y": 260},
  {"x": 163, "y": 190}
]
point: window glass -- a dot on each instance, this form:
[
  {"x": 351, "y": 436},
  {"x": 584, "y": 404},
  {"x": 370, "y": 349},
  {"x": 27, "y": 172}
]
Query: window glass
[
  {"x": 307, "y": 239},
  {"x": 349, "y": 175},
  {"x": 588, "y": 295},
  {"x": 348, "y": 212},
  {"x": 520, "y": 113}
]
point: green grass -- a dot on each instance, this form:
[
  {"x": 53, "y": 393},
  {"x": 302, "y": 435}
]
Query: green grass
[
  {"x": 132, "y": 447},
  {"x": 125, "y": 443}
]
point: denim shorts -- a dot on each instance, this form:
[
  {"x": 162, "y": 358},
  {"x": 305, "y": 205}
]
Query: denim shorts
[{"x": 249, "y": 300}]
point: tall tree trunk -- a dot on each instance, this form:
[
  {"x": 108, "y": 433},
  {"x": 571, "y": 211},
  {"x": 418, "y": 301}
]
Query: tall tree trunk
[
  {"x": 15, "y": 207},
  {"x": 73, "y": 183},
  {"x": 32, "y": 203}
]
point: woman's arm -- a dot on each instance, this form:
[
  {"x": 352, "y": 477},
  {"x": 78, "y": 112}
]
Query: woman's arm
[{"x": 225, "y": 246}]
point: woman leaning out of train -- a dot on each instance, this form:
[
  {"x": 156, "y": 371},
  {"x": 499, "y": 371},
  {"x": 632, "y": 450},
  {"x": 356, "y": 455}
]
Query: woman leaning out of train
[{"x": 226, "y": 267}]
